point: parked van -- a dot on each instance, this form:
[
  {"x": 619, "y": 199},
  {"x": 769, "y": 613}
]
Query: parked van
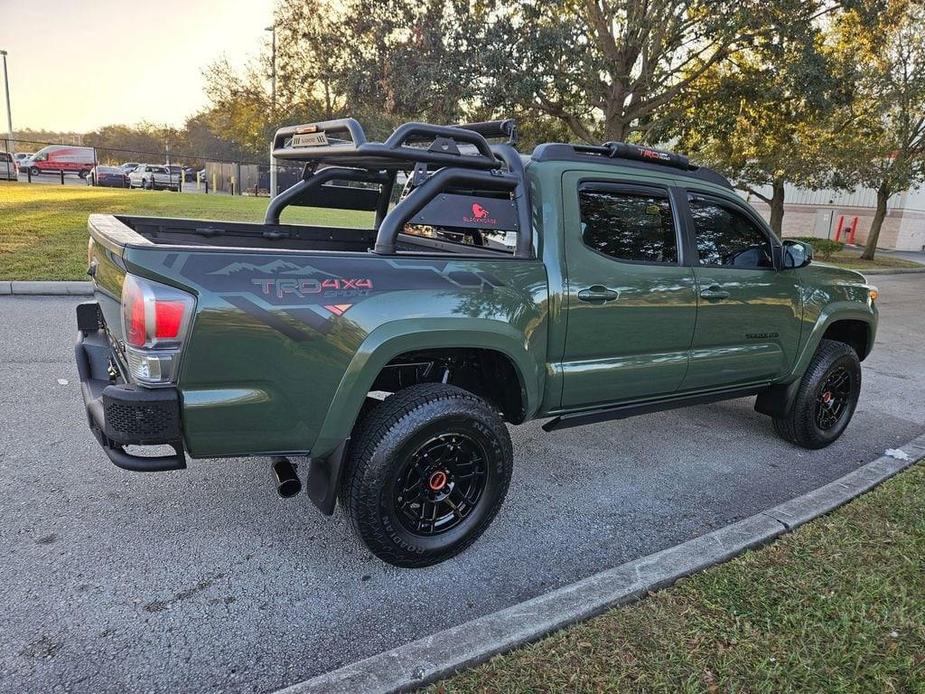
[{"x": 55, "y": 158}]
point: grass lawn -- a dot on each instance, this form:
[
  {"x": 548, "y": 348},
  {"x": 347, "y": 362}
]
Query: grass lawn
[
  {"x": 852, "y": 260},
  {"x": 836, "y": 606},
  {"x": 43, "y": 228}
]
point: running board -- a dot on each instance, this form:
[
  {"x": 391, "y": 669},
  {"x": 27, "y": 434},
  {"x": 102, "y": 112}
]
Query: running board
[{"x": 578, "y": 419}]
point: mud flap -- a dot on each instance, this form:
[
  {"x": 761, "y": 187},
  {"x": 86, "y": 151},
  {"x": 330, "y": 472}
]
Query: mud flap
[{"x": 324, "y": 479}]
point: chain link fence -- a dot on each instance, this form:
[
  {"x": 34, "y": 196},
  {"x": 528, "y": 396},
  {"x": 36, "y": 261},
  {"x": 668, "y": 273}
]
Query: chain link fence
[{"x": 68, "y": 163}]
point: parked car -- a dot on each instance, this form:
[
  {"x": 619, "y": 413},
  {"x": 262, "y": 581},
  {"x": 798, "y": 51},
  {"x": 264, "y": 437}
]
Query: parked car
[
  {"x": 20, "y": 157},
  {"x": 129, "y": 166},
  {"x": 109, "y": 177},
  {"x": 187, "y": 173},
  {"x": 581, "y": 284},
  {"x": 152, "y": 177},
  {"x": 57, "y": 158},
  {"x": 7, "y": 167}
]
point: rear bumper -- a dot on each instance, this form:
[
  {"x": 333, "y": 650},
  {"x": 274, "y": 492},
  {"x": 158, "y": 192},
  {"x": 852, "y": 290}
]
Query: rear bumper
[{"x": 121, "y": 414}]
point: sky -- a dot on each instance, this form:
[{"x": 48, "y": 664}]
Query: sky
[{"x": 76, "y": 65}]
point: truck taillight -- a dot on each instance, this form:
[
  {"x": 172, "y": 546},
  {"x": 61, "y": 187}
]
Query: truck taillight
[{"x": 155, "y": 318}]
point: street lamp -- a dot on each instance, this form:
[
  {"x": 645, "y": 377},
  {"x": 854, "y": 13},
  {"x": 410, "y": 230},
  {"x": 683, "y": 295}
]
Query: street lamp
[
  {"x": 273, "y": 172},
  {"x": 9, "y": 110},
  {"x": 272, "y": 29}
]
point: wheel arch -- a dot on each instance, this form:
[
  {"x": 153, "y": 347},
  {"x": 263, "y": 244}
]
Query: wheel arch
[
  {"x": 392, "y": 340},
  {"x": 840, "y": 321}
]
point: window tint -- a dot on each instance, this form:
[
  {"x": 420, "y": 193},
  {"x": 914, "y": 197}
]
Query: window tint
[
  {"x": 727, "y": 237},
  {"x": 628, "y": 226}
]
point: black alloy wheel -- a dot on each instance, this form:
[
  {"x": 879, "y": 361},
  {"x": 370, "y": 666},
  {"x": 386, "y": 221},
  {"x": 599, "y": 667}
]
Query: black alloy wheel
[
  {"x": 442, "y": 483},
  {"x": 834, "y": 398}
]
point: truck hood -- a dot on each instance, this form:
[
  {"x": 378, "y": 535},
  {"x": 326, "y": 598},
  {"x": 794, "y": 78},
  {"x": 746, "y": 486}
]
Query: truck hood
[{"x": 831, "y": 274}]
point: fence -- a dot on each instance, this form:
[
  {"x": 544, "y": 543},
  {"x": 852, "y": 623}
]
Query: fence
[{"x": 189, "y": 172}]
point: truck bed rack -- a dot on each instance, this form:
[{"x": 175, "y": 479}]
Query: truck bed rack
[
  {"x": 343, "y": 142},
  {"x": 345, "y": 170}
]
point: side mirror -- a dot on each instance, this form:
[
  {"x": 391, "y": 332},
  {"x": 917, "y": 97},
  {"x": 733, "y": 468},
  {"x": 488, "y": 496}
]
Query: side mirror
[{"x": 797, "y": 254}]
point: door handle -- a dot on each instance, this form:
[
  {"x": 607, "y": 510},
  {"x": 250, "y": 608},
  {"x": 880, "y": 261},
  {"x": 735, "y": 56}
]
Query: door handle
[
  {"x": 598, "y": 294},
  {"x": 714, "y": 293}
]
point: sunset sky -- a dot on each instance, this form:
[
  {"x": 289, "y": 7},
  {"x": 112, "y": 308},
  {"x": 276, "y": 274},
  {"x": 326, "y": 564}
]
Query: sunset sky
[{"x": 76, "y": 65}]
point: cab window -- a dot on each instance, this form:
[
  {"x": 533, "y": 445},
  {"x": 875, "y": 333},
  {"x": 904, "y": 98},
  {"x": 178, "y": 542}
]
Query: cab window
[
  {"x": 727, "y": 237},
  {"x": 628, "y": 225}
]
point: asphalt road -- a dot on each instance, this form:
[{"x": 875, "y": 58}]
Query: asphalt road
[
  {"x": 204, "y": 579},
  {"x": 71, "y": 179}
]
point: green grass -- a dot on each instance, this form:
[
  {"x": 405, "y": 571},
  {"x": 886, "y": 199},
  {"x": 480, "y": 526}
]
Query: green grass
[
  {"x": 836, "y": 606},
  {"x": 852, "y": 260},
  {"x": 43, "y": 228}
]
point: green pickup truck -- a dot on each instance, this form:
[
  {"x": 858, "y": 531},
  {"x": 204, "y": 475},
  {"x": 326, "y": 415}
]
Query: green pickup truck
[{"x": 578, "y": 284}]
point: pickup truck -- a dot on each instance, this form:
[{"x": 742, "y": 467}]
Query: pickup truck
[
  {"x": 152, "y": 177},
  {"x": 481, "y": 287}
]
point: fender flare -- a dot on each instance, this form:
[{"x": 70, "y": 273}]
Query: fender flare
[
  {"x": 832, "y": 313},
  {"x": 777, "y": 400},
  {"x": 397, "y": 337}
]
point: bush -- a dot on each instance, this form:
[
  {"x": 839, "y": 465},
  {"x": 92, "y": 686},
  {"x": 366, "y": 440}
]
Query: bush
[{"x": 822, "y": 248}]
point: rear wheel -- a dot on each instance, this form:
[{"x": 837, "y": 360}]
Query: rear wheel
[
  {"x": 428, "y": 470},
  {"x": 826, "y": 399}
]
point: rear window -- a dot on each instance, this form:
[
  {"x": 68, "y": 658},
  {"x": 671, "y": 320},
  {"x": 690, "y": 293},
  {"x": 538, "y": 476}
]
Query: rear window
[
  {"x": 628, "y": 225},
  {"x": 5, "y": 157}
]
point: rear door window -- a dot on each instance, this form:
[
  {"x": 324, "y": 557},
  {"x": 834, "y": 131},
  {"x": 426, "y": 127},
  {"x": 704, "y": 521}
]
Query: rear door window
[{"x": 629, "y": 225}]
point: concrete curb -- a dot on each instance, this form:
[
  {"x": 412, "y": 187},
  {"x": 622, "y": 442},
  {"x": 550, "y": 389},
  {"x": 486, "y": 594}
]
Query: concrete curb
[
  {"x": 893, "y": 271},
  {"x": 29, "y": 288},
  {"x": 429, "y": 659}
]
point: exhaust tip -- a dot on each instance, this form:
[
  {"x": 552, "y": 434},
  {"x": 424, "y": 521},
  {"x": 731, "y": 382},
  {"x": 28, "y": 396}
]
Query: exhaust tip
[{"x": 287, "y": 480}]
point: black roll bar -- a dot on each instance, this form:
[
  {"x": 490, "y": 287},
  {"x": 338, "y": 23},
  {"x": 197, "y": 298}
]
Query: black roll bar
[{"x": 319, "y": 178}]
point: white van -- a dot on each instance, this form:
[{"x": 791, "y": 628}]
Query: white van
[{"x": 55, "y": 158}]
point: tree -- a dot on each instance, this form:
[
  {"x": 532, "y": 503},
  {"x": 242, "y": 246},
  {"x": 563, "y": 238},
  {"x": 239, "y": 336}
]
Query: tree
[
  {"x": 883, "y": 139},
  {"x": 765, "y": 116},
  {"x": 609, "y": 68}
]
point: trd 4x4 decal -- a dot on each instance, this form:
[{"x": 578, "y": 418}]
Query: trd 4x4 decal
[
  {"x": 299, "y": 298},
  {"x": 306, "y": 286}
]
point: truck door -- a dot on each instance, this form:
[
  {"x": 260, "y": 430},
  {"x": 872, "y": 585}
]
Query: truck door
[
  {"x": 749, "y": 314},
  {"x": 630, "y": 303}
]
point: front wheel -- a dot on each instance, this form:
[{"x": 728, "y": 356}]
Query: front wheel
[
  {"x": 34, "y": 171},
  {"x": 826, "y": 399},
  {"x": 428, "y": 470}
]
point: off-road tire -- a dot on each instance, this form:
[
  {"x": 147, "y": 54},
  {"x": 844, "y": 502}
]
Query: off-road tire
[
  {"x": 800, "y": 426},
  {"x": 381, "y": 447}
]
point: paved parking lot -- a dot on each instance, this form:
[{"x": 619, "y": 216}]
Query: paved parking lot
[
  {"x": 54, "y": 179},
  {"x": 204, "y": 579}
]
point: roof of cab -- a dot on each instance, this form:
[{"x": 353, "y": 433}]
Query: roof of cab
[{"x": 589, "y": 154}]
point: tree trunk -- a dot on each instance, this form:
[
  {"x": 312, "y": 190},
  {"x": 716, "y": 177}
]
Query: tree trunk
[
  {"x": 883, "y": 195},
  {"x": 777, "y": 206}
]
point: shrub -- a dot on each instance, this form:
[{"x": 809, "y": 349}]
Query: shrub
[{"x": 822, "y": 248}]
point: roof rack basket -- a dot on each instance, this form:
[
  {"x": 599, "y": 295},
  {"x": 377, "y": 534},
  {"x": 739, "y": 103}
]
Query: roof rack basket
[{"x": 344, "y": 142}]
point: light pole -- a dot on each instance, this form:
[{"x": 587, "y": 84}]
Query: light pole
[
  {"x": 272, "y": 30},
  {"x": 9, "y": 109}
]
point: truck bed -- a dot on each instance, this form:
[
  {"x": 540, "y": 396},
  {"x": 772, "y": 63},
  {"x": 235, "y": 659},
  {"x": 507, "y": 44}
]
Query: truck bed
[{"x": 161, "y": 231}]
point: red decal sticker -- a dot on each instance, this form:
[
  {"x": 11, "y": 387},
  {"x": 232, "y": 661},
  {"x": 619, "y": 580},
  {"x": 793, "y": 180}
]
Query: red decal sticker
[{"x": 338, "y": 309}]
